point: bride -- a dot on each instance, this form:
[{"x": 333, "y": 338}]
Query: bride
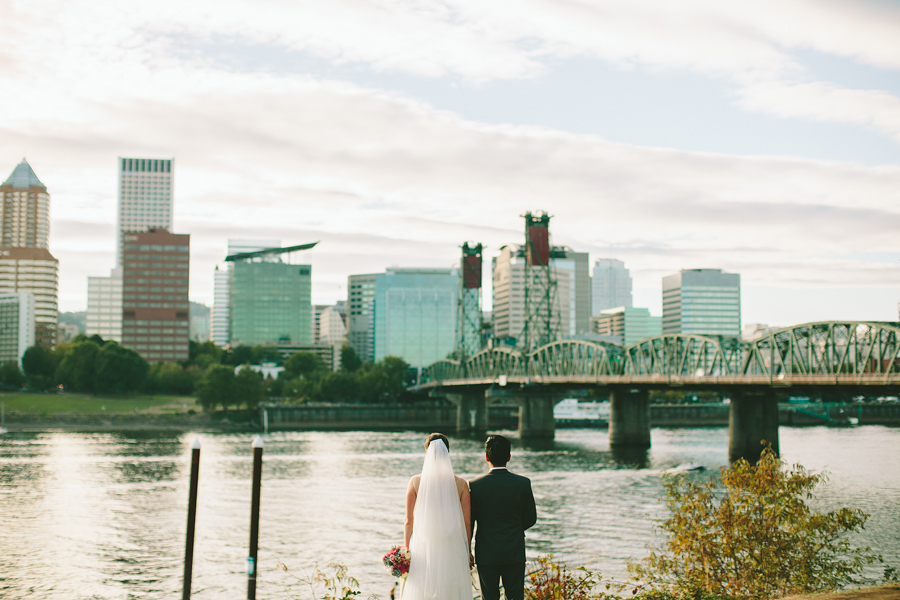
[{"x": 438, "y": 530}]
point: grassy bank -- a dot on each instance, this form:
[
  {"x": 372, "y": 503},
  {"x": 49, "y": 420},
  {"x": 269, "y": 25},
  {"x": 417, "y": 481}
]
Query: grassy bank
[
  {"x": 84, "y": 412},
  {"x": 890, "y": 591}
]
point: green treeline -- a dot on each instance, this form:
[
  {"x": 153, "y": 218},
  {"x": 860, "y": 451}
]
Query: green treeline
[{"x": 96, "y": 366}]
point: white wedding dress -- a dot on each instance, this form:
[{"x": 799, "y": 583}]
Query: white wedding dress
[{"x": 439, "y": 559}]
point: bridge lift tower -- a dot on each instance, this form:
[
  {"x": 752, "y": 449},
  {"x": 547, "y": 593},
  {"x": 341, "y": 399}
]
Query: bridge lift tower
[
  {"x": 468, "y": 322},
  {"x": 542, "y": 310}
]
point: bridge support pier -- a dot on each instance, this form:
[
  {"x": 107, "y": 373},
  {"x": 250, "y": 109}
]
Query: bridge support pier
[
  {"x": 752, "y": 422},
  {"x": 536, "y": 416},
  {"x": 471, "y": 411},
  {"x": 629, "y": 418}
]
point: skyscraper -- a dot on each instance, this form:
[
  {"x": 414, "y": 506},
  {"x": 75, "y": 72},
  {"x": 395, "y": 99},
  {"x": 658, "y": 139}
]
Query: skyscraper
[
  {"x": 145, "y": 196},
  {"x": 16, "y": 326},
  {"x": 508, "y": 291},
  {"x": 145, "y": 202},
  {"x": 26, "y": 264},
  {"x": 415, "y": 314},
  {"x": 610, "y": 285},
  {"x": 627, "y": 325},
  {"x": 155, "y": 306},
  {"x": 702, "y": 301},
  {"x": 271, "y": 303},
  {"x": 360, "y": 304}
]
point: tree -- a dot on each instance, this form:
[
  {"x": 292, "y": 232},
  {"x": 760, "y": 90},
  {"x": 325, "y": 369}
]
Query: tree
[
  {"x": 338, "y": 387},
  {"x": 76, "y": 370},
  {"x": 249, "y": 387},
  {"x": 216, "y": 387},
  {"x": 386, "y": 381},
  {"x": 171, "y": 378},
  {"x": 756, "y": 537},
  {"x": 11, "y": 376},
  {"x": 350, "y": 361},
  {"x": 301, "y": 364},
  {"x": 119, "y": 370},
  {"x": 39, "y": 365},
  {"x": 206, "y": 349}
]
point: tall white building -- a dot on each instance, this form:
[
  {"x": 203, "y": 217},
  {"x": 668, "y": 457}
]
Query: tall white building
[
  {"x": 145, "y": 196},
  {"x": 610, "y": 285},
  {"x": 220, "y": 314},
  {"x": 16, "y": 326},
  {"x": 104, "y": 309},
  {"x": 703, "y": 302},
  {"x": 508, "y": 271}
]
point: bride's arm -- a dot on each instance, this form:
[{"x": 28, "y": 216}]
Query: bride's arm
[
  {"x": 410, "y": 509},
  {"x": 465, "y": 499}
]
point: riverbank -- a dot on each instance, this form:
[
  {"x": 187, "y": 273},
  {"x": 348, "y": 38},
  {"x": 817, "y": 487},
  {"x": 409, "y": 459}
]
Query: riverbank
[{"x": 890, "y": 591}]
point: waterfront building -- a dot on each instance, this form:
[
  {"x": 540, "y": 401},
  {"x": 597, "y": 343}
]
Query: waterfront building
[
  {"x": 509, "y": 272},
  {"x": 360, "y": 325},
  {"x": 702, "y": 301},
  {"x": 145, "y": 196},
  {"x": 17, "y": 326},
  {"x": 104, "y": 306},
  {"x": 627, "y": 325},
  {"x": 26, "y": 264},
  {"x": 220, "y": 316},
  {"x": 331, "y": 326},
  {"x": 270, "y": 302},
  {"x": 415, "y": 314},
  {"x": 155, "y": 305},
  {"x": 610, "y": 285}
]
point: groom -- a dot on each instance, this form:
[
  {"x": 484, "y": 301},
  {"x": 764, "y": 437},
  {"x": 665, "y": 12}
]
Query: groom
[{"x": 502, "y": 509}]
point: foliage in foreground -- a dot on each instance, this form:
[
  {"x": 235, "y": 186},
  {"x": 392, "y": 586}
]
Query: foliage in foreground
[
  {"x": 753, "y": 537},
  {"x": 335, "y": 584}
]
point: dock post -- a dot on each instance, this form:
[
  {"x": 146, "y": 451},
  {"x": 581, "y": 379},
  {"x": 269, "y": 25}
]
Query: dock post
[
  {"x": 191, "y": 521},
  {"x": 252, "y": 563}
]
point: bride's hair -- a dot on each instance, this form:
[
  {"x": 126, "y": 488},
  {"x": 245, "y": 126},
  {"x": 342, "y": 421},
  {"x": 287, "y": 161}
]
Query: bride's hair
[{"x": 437, "y": 436}]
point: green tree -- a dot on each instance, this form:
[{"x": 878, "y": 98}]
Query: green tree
[
  {"x": 260, "y": 354},
  {"x": 301, "y": 364},
  {"x": 338, "y": 387},
  {"x": 76, "y": 370},
  {"x": 350, "y": 361},
  {"x": 171, "y": 378},
  {"x": 11, "y": 375},
  {"x": 207, "y": 349},
  {"x": 249, "y": 387},
  {"x": 119, "y": 370},
  {"x": 385, "y": 381},
  {"x": 216, "y": 387},
  {"x": 753, "y": 537},
  {"x": 39, "y": 365}
]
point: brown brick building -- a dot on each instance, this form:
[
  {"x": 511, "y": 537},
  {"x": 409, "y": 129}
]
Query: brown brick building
[{"x": 155, "y": 306}]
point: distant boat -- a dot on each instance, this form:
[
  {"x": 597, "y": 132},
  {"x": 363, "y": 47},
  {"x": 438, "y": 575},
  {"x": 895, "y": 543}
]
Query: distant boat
[
  {"x": 573, "y": 412},
  {"x": 691, "y": 467}
]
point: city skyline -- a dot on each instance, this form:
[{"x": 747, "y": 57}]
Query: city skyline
[{"x": 760, "y": 149}]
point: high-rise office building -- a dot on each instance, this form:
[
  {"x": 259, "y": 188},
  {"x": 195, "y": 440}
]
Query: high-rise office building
[
  {"x": 16, "y": 326},
  {"x": 702, "y": 301},
  {"x": 627, "y": 325},
  {"x": 145, "y": 202},
  {"x": 26, "y": 264},
  {"x": 104, "y": 309},
  {"x": 509, "y": 272},
  {"x": 220, "y": 314},
  {"x": 415, "y": 314},
  {"x": 145, "y": 196},
  {"x": 271, "y": 303},
  {"x": 155, "y": 306},
  {"x": 610, "y": 285},
  {"x": 360, "y": 304}
]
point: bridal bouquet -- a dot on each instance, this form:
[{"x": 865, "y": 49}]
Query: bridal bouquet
[{"x": 397, "y": 561}]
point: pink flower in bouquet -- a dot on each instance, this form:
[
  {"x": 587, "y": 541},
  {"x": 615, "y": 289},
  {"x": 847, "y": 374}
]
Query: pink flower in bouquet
[{"x": 397, "y": 561}]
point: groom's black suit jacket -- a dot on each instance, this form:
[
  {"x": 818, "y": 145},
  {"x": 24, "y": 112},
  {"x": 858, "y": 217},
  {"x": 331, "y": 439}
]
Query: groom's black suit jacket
[{"x": 502, "y": 509}]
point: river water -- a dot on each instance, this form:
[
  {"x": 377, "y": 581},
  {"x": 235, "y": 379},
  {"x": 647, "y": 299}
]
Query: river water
[{"x": 102, "y": 515}]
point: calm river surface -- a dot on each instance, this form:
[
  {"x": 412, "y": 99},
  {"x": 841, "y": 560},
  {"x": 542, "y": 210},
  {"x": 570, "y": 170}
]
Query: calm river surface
[{"x": 102, "y": 515}]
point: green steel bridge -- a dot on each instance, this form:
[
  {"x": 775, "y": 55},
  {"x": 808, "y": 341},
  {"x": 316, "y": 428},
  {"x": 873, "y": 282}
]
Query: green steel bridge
[{"x": 854, "y": 357}]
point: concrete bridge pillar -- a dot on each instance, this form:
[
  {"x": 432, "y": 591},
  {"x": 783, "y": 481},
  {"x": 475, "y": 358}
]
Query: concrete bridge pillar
[
  {"x": 629, "y": 418},
  {"x": 536, "y": 416},
  {"x": 471, "y": 411},
  {"x": 752, "y": 422}
]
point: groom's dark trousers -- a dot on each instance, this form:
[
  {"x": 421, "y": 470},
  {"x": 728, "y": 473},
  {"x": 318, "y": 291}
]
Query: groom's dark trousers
[{"x": 502, "y": 509}]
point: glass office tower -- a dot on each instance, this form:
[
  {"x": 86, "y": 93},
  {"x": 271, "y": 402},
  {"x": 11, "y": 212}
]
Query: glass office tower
[
  {"x": 271, "y": 303},
  {"x": 702, "y": 301}
]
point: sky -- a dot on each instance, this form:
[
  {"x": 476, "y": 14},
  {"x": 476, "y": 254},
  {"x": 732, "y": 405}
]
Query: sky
[{"x": 762, "y": 138}]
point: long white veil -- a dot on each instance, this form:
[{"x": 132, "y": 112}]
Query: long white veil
[{"x": 439, "y": 559}]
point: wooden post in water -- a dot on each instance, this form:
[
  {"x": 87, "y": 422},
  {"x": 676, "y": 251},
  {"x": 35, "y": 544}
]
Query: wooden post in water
[
  {"x": 252, "y": 565},
  {"x": 191, "y": 520}
]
